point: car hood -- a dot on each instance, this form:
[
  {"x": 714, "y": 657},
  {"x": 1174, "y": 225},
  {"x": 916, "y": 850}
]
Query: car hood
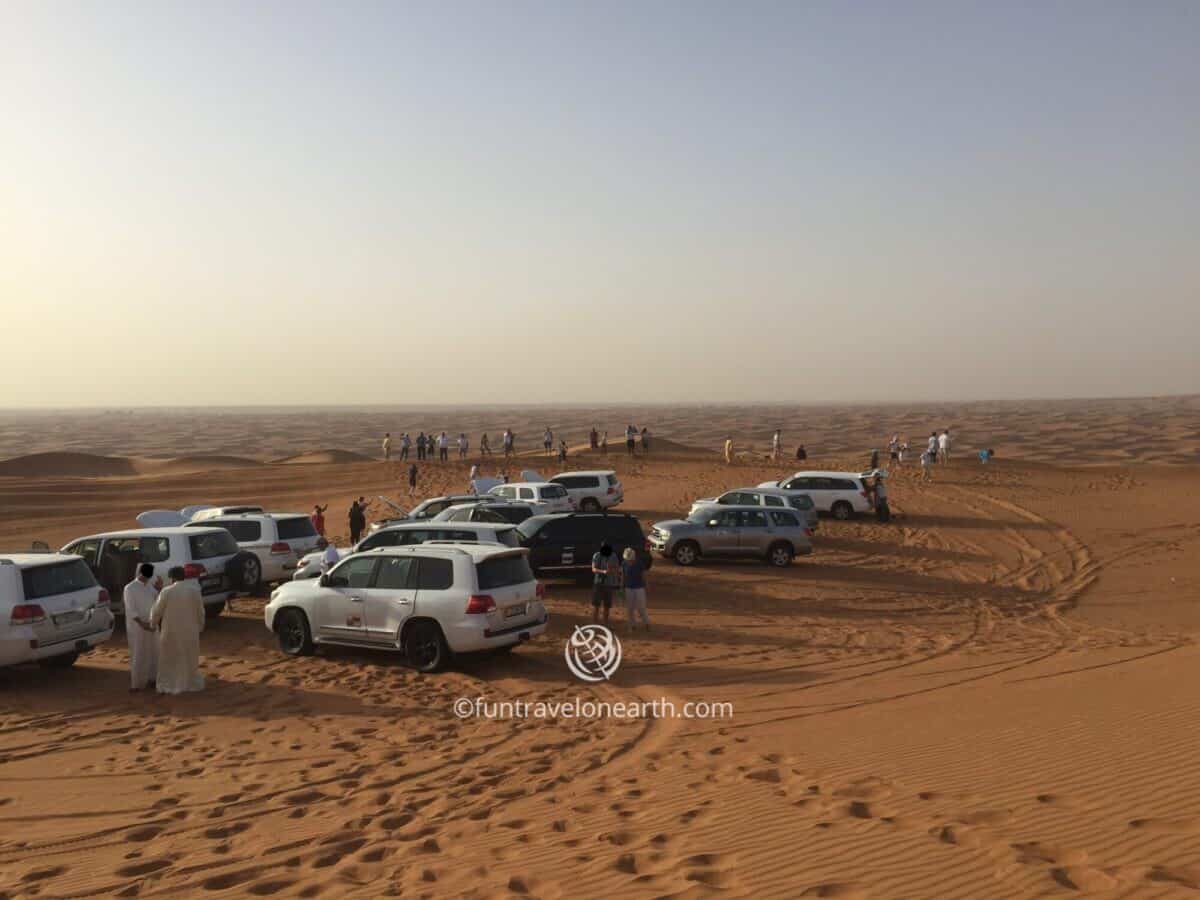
[
  {"x": 316, "y": 555},
  {"x": 674, "y": 525}
]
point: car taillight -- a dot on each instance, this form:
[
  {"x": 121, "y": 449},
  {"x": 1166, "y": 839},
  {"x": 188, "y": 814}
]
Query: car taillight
[
  {"x": 27, "y": 614},
  {"x": 193, "y": 570},
  {"x": 281, "y": 547},
  {"x": 864, "y": 493},
  {"x": 611, "y": 490},
  {"x": 540, "y": 591},
  {"x": 102, "y": 598},
  {"x": 808, "y": 531},
  {"x": 480, "y": 603}
]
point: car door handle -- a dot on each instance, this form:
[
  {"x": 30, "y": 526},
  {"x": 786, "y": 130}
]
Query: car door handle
[
  {"x": 355, "y": 599},
  {"x": 404, "y": 601}
]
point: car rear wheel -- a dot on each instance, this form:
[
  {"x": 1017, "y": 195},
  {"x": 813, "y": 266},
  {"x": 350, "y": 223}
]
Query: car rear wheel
[
  {"x": 842, "y": 510},
  {"x": 292, "y": 632},
  {"x": 686, "y": 553},
  {"x": 589, "y": 504},
  {"x": 247, "y": 572},
  {"x": 426, "y": 647},
  {"x": 65, "y": 661},
  {"x": 780, "y": 555}
]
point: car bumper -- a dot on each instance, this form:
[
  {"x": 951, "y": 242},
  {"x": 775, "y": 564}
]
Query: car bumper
[
  {"x": 470, "y": 637},
  {"x": 16, "y": 649}
]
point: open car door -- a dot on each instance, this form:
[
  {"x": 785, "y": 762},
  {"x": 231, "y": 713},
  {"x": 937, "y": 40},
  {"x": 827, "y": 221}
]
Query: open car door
[
  {"x": 482, "y": 485},
  {"x": 531, "y": 476}
]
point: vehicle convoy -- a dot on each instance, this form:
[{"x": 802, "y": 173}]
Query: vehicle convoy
[
  {"x": 776, "y": 535},
  {"x": 762, "y": 496},
  {"x": 592, "y": 491},
  {"x": 429, "y": 601},
  {"x": 406, "y": 533},
  {"x": 277, "y": 541},
  {"x": 841, "y": 494},
  {"x": 564, "y": 543},
  {"x": 51, "y": 609},
  {"x": 543, "y": 496},
  {"x": 208, "y": 554}
]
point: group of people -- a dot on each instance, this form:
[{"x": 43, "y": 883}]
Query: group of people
[
  {"x": 162, "y": 626},
  {"x": 430, "y": 447},
  {"x": 776, "y": 449},
  {"x": 612, "y": 575}
]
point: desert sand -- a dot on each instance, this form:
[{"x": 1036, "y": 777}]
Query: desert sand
[{"x": 994, "y": 695}]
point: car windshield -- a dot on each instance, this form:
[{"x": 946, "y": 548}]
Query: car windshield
[
  {"x": 60, "y": 578},
  {"x": 214, "y": 543},
  {"x": 702, "y": 515},
  {"x": 530, "y": 527}
]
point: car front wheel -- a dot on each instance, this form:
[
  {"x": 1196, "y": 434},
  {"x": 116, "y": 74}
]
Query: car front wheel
[
  {"x": 686, "y": 553},
  {"x": 780, "y": 555},
  {"x": 842, "y": 510},
  {"x": 292, "y": 632},
  {"x": 426, "y": 647}
]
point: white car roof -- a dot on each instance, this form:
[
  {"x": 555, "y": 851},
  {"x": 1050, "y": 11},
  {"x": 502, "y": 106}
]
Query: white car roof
[
  {"x": 527, "y": 484},
  {"x": 819, "y": 474},
  {"x": 140, "y": 532},
  {"x": 419, "y": 524},
  {"x": 33, "y": 559},
  {"x": 477, "y": 552},
  {"x": 194, "y": 524},
  {"x": 588, "y": 472}
]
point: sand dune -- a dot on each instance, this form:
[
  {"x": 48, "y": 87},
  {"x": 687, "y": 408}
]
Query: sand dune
[
  {"x": 324, "y": 458},
  {"x": 992, "y": 696},
  {"x": 83, "y": 465}
]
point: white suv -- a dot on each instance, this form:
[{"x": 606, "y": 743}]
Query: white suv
[
  {"x": 406, "y": 533},
  {"x": 428, "y": 601},
  {"x": 51, "y": 609},
  {"x": 842, "y": 494},
  {"x": 208, "y": 554},
  {"x": 277, "y": 541},
  {"x": 592, "y": 491},
  {"x": 543, "y": 496}
]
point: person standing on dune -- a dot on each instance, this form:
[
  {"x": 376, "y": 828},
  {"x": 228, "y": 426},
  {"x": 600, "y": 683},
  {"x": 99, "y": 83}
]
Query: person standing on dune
[
  {"x": 775, "y": 444},
  {"x": 178, "y": 616},
  {"x": 357, "y": 520},
  {"x": 443, "y": 447},
  {"x": 405, "y": 444},
  {"x": 485, "y": 449},
  {"x": 729, "y": 450},
  {"x": 944, "y": 446},
  {"x": 604, "y": 444},
  {"x": 421, "y": 445},
  {"x": 463, "y": 445},
  {"x": 318, "y": 518},
  {"x": 139, "y": 599},
  {"x": 412, "y": 479},
  {"x": 387, "y": 446}
]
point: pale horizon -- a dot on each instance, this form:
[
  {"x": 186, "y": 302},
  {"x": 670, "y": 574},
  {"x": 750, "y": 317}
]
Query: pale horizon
[{"x": 216, "y": 206}]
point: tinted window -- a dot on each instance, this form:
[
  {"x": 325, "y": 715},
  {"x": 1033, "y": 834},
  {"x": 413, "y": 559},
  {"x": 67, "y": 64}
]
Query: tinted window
[
  {"x": 821, "y": 484},
  {"x": 752, "y": 519},
  {"x": 729, "y": 519},
  {"x": 210, "y": 544},
  {"x": 798, "y": 484},
  {"x": 841, "y": 484},
  {"x": 60, "y": 578},
  {"x": 612, "y": 479},
  {"x": 435, "y": 574},
  {"x": 155, "y": 549},
  {"x": 86, "y": 549},
  {"x": 295, "y": 528},
  {"x": 773, "y": 500},
  {"x": 554, "y": 490},
  {"x": 801, "y": 501},
  {"x": 784, "y": 519},
  {"x": 469, "y": 536},
  {"x": 508, "y": 537},
  {"x": 356, "y": 571},
  {"x": 514, "y": 514},
  {"x": 243, "y": 532},
  {"x": 380, "y": 539},
  {"x": 395, "y": 573},
  {"x": 483, "y": 514},
  {"x": 503, "y": 571},
  {"x": 526, "y": 493}
]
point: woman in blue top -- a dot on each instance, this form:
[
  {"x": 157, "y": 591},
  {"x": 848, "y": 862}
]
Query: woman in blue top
[{"x": 633, "y": 577}]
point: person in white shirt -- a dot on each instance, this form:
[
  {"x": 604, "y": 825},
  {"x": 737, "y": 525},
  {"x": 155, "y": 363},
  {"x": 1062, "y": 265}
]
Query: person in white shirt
[
  {"x": 178, "y": 614},
  {"x": 944, "y": 447},
  {"x": 139, "y": 597},
  {"x": 387, "y": 446},
  {"x": 462, "y": 445},
  {"x": 775, "y": 441},
  {"x": 329, "y": 558},
  {"x": 474, "y": 474},
  {"x": 443, "y": 447}
]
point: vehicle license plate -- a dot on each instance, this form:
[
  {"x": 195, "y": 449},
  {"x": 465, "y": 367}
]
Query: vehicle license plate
[
  {"x": 69, "y": 618},
  {"x": 514, "y": 611}
]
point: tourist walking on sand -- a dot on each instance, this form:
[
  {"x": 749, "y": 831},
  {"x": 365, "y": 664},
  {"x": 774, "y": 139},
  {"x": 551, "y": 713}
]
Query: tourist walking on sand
[
  {"x": 405, "y": 443},
  {"x": 471, "y": 476},
  {"x": 894, "y": 449},
  {"x": 630, "y": 439},
  {"x": 944, "y": 446},
  {"x": 507, "y": 442},
  {"x": 387, "y": 446},
  {"x": 606, "y": 578},
  {"x": 874, "y": 460},
  {"x": 463, "y": 445},
  {"x": 412, "y": 479},
  {"x": 729, "y": 450},
  {"x": 593, "y": 438},
  {"x": 645, "y": 440},
  {"x": 178, "y": 616},
  {"x": 329, "y": 558},
  {"x": 318, "y": 518},
  {"x": 562, "y": 451},
  {"x": 139, "y": 599},
  {"x": 927, "y": 459},
  {"x": 932, "y": 446},
  {"x": 485, "y": 449},
  {"x": 882, "y": 511},
  {"x": 633, "y": 579}
]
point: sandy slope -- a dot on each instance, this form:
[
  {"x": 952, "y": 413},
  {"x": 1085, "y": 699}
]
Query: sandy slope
[{"x": 993, "y": 696}]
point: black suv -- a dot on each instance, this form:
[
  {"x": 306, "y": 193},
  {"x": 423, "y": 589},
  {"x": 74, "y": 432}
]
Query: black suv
[{"x": 564, "y": 543}]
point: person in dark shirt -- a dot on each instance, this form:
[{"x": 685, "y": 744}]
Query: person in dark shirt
[{"x": 633, "y": 578}]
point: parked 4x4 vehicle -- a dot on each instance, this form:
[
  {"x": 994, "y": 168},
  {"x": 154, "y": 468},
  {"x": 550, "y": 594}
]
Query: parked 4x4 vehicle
[
  {"x": 543, "y": 496},
  {"x": 592, "y": 491},
  {"x": 51, "y": 609},
  {"x": 564, "y": 543},
  {"x": 429, "y": 602},
  {"x": 208, "y": 554},
  {"x": 406, "y": 533},
  {"x": 763, "y": 496},
  {"x": 426, "y": 509},
  {"x": 841, "y": 494},
  {"x": 776, "y": 535},
  {"x": 276, "y": 540}
]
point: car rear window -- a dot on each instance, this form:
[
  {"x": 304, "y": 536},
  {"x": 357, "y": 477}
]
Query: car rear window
[
  {"x": 801, "y": 501},
  {"x": 508, "y": 537},
  {"x": 784, "y": 519},
  {"x": 295, "y": 528},
  {"x": 60, "y": 578},
  {"x": 514, "y": 514},
  {"x": 243, "y": 532},
  {"x": 841, "y": 484},
  {"x": 612, "y": 479},
  {"x": 435, "y": 574},
  {"x": 212, "y": 543},
  {"x": 503, "y": 571},
  {"x": 554, "y": 490}
]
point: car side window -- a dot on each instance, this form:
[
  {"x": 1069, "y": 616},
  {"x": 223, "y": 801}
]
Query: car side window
[
  {"x": 527, "y": 494},
  {"x": 468, "y": 536},
  {"x": 356, "y": 571},
  {"x": 801, "y": 501},
  {"x": 772, "y": 500},
  {"x": 396, "y": 573},
  {"x": 155, "y": 549},
  {"x": 799, "y": 484},
  {"x": 379, "y": 539},
  {"x": 783, "y": 519},
  {"x": 416, "y": 537},
  {"x": 434, "y": 574},
  {"x": 729, "y": 519},
  {"x": 754, "y": 519},
  {"x": 822, "y": 484},
  {"x": 89, "y": 550}
]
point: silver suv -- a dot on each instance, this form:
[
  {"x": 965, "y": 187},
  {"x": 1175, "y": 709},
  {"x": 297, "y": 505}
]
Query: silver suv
[
  {"x": 776, "y": 535},
  {"x": 761, "y": 496}
]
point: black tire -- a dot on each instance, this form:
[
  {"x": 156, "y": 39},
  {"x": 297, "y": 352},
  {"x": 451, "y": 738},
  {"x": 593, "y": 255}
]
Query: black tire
[
  {"x": 59, "y": 662},
  {"x": 214, "y": 610},
  {"x": 245, "y": 573},
  {"x": 425, "y": 646},
  {"x": 589, "y": 505},
  {"x": 292, "y": 632},
  {"x": 780, "y": 555},
  {"x": 842, "y": 511},
  {"x": 686, "y": 553}
]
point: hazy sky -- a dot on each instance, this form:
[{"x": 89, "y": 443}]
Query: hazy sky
[{"x": 221, "y": 203}]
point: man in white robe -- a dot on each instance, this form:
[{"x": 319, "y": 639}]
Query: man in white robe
[
  {"x": 178, "y": 615},
  {"x": 139, "y": 599}
]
